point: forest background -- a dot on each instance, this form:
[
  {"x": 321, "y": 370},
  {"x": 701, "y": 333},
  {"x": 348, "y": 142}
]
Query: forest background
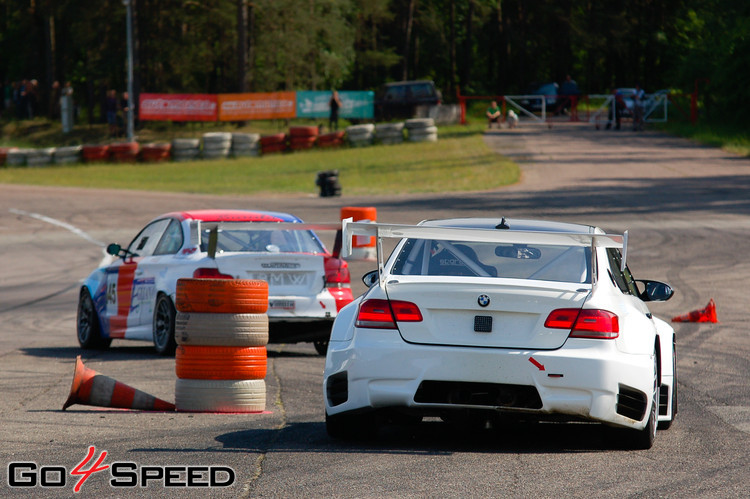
[{"x": 485, "y": 47}]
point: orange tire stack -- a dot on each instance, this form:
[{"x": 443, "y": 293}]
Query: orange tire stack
[
  {"x": 302, "y": 137},
  {"x": 154, "y": 153},
  {"x": 221, "y": 331},
  {"x": 95, "y": 153},
  {"x": 273, "y": 143},
  {"x": 333, "y": 139},
  {"x": 124, "y": 152}
]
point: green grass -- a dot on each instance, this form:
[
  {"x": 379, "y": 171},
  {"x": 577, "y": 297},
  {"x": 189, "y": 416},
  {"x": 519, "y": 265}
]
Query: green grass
[
  {"x": 731, "y": 138},
  {"x": 459, "y": 161}
]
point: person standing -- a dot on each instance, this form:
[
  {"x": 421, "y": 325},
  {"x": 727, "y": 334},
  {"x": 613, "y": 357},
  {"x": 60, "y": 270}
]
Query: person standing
[{"x": 334, "y": 105}]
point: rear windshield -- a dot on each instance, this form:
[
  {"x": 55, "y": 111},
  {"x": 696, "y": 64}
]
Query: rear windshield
[
  {"x": 265, "y": 241},
  {"x": 482, "y": 259}
]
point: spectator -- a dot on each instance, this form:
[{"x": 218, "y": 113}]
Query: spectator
[
  {"x": 110, "y": 107},
  {"x": 55, "y": 94},
  {"x": 33, "y": 99},
  {"x": 23, "y": 100},
  {"x": 334, "y": 104},
  {"x": 615, "y": 109},
  {"x": 569, "y": 92},
  {"x": 494, "y": 114},
  {"x": 124, "y": 108}
]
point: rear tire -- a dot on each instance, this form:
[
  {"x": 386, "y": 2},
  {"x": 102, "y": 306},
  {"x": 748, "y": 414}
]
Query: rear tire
[
  {"x": 644, "y": 439},
  {"x": 87, "y": 323},
  {"x": 164, "y": 321},
  {"x": 665, "y": 425},
  {"x": 321, "y": 346}
]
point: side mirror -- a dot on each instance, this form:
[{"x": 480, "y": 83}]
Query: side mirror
[
  {"x": 114, "y": 249},
  {"x": 655, "y": 291},
  {"x": 370, "y": 278}
]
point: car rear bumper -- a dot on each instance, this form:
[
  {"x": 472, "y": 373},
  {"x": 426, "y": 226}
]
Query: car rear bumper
[{"x": 585, "y": 379}]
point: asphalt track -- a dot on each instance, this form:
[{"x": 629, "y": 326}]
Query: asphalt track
[{"x": 688, "y": 211}]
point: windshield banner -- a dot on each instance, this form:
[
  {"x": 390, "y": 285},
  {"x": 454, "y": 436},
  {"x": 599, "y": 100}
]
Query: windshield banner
[{"x": 359, "y": 105}]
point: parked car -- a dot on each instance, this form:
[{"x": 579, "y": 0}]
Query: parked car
[
  {"x": 399, "y": 100},
  {"x": 133, "y": 297},
  {"x": 474, "y": 320},
  {"x": 547, "y": 92}
]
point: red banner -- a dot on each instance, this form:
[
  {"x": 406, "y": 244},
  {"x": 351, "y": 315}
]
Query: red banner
[{"x": 178, "y": 107}]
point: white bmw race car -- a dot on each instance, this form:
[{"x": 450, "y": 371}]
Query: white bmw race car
[
  {"x": 133, "y": 297},
  {"x": 482, "y": 319}
]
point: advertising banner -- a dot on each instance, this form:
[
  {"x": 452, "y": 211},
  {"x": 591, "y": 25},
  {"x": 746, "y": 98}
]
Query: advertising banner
[
  {"x": 357, "y": 105},
  {"x": 256, "y": 106},
  {"x": 177, "y": 107}
]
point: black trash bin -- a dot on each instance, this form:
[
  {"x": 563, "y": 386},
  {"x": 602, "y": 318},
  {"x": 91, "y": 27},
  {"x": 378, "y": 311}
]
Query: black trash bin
[{"x": 328, "y": 181}]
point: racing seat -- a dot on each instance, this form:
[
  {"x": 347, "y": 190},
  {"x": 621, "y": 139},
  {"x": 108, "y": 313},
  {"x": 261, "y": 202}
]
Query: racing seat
[{"x": 446, "y": 262}]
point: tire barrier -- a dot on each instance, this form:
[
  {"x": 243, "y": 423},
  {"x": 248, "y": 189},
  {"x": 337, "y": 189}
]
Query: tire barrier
[
  {"x": 302, "y": 137},
  {"x": 273, "y": 143},
  {"x": 4, "y": 153},
  {"x": 124, "y": 152},
  {"x": 221, "y": 330},
  {"x": 216, "y": 145},
  {"x": 389, "y": 133},
  {"x": 186, "y": 149},
  {"x": 156, "y": 152},
  {"x": 67, "y": 155},
  {"x": 39, "y": 157},
  {"x": 16, "y": 157},
  {"x": 245, "y": 144},
  {"x": 360, "y": 135},
  {"x": 363, "y": 247},
  {"x": 91, "y": 388},
  {"x": 328, "y": 182},
  {"x": 421, "y": 130},
  {"x": 240, "y": 330},
  {"x": 333, "y": 139},
  {"x": 95, "y": 153}
]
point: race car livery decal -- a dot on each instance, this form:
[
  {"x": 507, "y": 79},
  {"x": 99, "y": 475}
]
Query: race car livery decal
[
  {"x": 144, "y": 294},
  {"x": 118, "y": 323}
]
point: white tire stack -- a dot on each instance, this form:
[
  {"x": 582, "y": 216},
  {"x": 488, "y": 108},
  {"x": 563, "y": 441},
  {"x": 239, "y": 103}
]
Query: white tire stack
[
  {"x": 245, "y": 144},
  {"x": 186, "y": 149},
  {"x": 422, "y": 130},
  {"x": 216, "y": 145},
  {"x": 389, "y": 133},
  {"x": 67, "y": 155},
  {"x": 360, "y": 135},
  {"x": 221, "y": 331},
  {"x": 17, "y": 157},
  {"x": 39, "y": 157}
]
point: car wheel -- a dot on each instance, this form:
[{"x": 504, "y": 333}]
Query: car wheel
[
  {"x": 644, "y": 439},
  {"x": 321, "y": 346},
  {"x": 350, "y": 426},
  {"x": 665, "y": 425},
  {"x": 164, "y": 320},
  {"x": 88, "y": 330}
]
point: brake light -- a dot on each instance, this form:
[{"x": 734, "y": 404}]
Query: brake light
[
  {"x": 337, "y": 272},
  {"x": 382, "y": 314},
  {"x": 210, "y": 273},
  {"x": 585, "y": 323}
]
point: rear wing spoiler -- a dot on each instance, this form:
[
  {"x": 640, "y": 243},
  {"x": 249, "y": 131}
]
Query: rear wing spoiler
[
  {"x": 214, "y": 227},
  {"x": 396, "y": 231}
]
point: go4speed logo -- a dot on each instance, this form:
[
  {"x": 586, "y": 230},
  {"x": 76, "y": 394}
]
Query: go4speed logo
[{"x": 122, "y": 474}]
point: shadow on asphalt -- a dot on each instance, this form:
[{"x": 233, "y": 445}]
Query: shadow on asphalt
[{"x": 114, "y": 353}]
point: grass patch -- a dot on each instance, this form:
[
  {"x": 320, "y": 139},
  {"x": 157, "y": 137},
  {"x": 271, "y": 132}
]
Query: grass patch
[
  {"x": 731, "y": 138},
  {"x": 459, "y": 161}
]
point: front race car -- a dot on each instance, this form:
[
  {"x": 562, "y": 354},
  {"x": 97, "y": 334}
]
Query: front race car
[{"x": 493, "y": 322}]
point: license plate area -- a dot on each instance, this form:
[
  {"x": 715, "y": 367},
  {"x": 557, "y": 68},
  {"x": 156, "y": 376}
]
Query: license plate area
[
  {"x": 482, "y": 323},
  {"x": 282, "y": 304}
]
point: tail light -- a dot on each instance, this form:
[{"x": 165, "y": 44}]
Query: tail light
[
  {"x": 383, "y": 314},
  {"x": 337, "y": 272},
  {"x": 584, "y": 323},
  {"x": 210, "y": 273}
]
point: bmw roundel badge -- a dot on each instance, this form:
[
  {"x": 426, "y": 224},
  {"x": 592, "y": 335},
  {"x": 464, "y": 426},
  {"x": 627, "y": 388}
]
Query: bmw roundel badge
[{"x": 483, "y": 300}]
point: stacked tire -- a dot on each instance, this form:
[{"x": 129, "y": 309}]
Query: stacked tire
[
  {"x": 216, "y": 145},
  {"x": 273, "y": 143},
  {"x": 389, "y": 133},
  {"x": 39, "y": 157},
  {"x": 67, "y": 155},
  {"x": 245, "y": 144},
  {"x": 360, "y": 135},
  {"x": 124, "y": 152},
  {"x": 333, "y": 139},
  {"x": 421, "y": 130},
  {"x": 302, "y": 137},
  {"x": 221, "y": 331},
  {"x": 16, "y": 157},
  {"x": 186, "y": 149},
  {"x": 4, "y": 153},
  {"x": 156, "y": 152},
  {"x": 95, "y": 153}
]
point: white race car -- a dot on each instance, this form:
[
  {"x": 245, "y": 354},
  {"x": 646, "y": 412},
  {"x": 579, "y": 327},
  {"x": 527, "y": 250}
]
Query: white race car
[
  {"x": 471, "y": 320},
  {"x": 133, "y": 297}
]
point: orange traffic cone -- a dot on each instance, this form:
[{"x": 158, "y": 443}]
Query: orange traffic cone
[
  {"x": 91, "y": 388},
  {"x": 707, "y": 314}
]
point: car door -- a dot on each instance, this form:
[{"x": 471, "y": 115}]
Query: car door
[{"x": 126, "y": 286}]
